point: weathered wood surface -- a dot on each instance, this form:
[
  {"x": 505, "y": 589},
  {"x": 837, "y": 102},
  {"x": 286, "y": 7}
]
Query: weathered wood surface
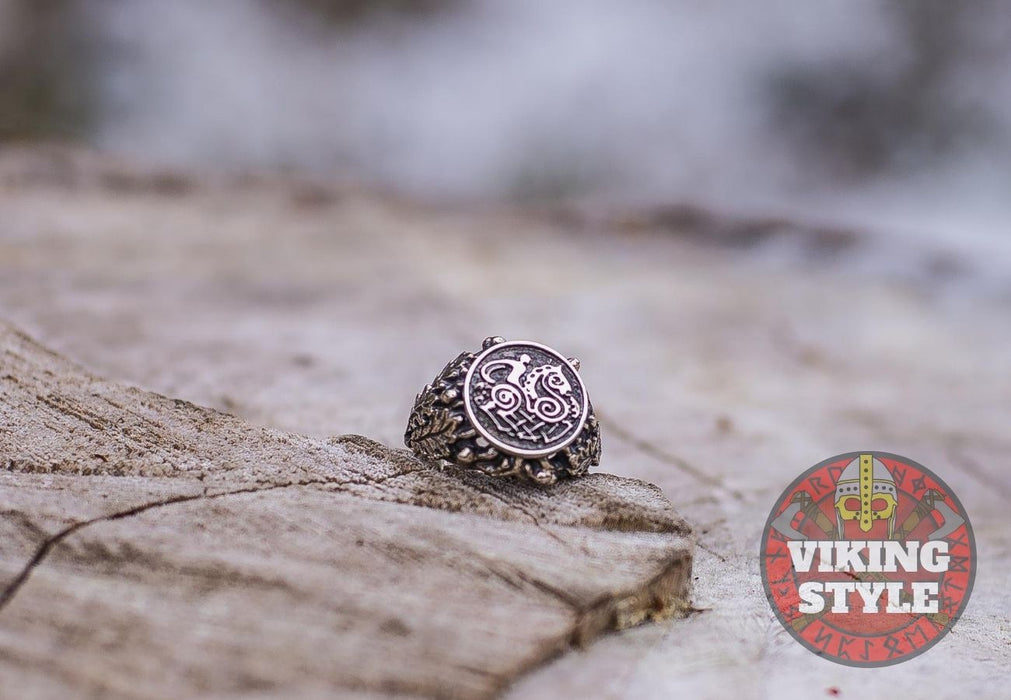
[
  {"x": 154, "y": 548},
  {"x": 724, "y": 357}
]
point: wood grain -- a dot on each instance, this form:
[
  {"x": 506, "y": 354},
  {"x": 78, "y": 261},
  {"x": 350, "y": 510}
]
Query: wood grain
[
  {"x": 724, "y": 355},
  {"x": 154, "y": 548}
]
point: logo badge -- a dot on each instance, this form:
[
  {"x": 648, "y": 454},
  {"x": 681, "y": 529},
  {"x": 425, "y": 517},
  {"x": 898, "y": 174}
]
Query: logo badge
[{"x": 868, "y": 559}]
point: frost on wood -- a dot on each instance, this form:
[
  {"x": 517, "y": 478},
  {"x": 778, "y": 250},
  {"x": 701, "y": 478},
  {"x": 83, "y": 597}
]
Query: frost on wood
[{"x": 151, "y": 547}]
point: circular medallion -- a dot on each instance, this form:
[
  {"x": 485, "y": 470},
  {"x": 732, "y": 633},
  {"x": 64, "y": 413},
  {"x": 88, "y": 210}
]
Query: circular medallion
[
  {"x": 525, "y": 398},
  {"x": 868, "y": 559}
]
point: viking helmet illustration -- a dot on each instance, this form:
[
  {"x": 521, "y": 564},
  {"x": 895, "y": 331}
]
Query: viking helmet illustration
[{"x": 866, "y": 492}]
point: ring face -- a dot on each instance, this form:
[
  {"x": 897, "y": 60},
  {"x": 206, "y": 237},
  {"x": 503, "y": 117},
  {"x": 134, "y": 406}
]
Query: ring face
[
  {"x": 525, "y": 398},
  {"x": 510, "y": 409}
]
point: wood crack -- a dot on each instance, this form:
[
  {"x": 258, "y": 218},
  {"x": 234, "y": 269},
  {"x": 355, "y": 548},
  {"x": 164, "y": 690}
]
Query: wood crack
[
  {"x": 50, "y": 543},
  {"x": 478, "y": 573}
]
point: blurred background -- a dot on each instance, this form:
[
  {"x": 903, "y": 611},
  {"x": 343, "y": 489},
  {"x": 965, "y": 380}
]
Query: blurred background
[
  {"x": 771, "y": 231},
  {"x": 894, "y": 117}
]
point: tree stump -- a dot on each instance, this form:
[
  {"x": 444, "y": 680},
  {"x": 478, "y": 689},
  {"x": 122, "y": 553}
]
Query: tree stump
[
  {"x": 724, "y": 354},
  {"x": 150, "y": 547}
]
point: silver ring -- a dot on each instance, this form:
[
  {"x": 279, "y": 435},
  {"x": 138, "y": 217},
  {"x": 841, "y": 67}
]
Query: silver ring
[{"x": 515, "y": 408}]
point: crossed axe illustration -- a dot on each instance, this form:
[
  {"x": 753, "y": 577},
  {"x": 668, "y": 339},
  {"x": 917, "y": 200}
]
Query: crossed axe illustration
[{"x": 802, "y": 503}]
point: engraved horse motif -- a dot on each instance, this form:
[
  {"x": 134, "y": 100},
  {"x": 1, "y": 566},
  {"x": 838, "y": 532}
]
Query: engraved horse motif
[{"x": 532, "y": 404}]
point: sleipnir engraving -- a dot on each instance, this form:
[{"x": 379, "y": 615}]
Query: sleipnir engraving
[
  {"x": 511, "y": 409},
  {"x": 536, "y": 405}
]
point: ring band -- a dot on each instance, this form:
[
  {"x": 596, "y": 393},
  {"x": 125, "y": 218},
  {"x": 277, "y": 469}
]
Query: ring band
[{"x": 516, "y": 408}]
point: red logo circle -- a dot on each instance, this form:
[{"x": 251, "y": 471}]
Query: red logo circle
[{"x": 868, "y": 559}]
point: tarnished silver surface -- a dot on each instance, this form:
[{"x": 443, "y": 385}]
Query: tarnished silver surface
[{"x": 516, "y": 408}]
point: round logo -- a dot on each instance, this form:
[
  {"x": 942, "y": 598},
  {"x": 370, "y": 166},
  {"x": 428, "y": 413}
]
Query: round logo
[
  {"x": 868, "y": 559},
  {"x": 525, "y": 398}
]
